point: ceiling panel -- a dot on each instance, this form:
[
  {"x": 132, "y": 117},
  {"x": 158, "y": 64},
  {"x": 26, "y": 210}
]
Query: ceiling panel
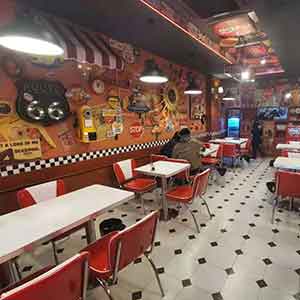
[
  {"x": 130, "y": 21},
  {"x": 209, "y": 8}
]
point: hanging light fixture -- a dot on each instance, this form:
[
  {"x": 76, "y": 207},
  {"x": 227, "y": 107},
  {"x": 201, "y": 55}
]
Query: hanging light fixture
[
  {"x": 229, "y": 96},
  {"x": 152, "y": 73},
  {"x": 27, "y": 36},
  {"x": 288, "y": 95},
  {"x": 192, "y": 88},
  {"x": 263, "y": 61}
]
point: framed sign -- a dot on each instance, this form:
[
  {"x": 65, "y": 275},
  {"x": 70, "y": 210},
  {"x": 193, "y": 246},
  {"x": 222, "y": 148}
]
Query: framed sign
[{"x": 23, "y": 149}]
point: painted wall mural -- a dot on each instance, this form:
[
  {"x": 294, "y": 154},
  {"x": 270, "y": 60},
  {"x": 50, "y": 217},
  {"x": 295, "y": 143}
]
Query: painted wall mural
[{"x": 49, "y": 110}]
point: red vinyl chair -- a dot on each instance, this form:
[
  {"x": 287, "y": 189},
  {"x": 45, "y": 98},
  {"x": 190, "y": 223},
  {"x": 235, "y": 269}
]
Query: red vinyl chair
[
  {"x": 246, "y": 148},
  {"x": 158, "y": 157},
  {"x": 186, "y": 194},
  {"x": 45, "y": 192},
  {"x": 67, "y": 281},
  {"x": 231, "y": 151},
  {"x": 25, "y": 280},
  {"x": 129, "y": 180},
  {"x": 287, "y": 185},
  {"x": 214, "y": 161},
  {"x": 184, "y": 175},
  {"x": 116, "y": 250}
]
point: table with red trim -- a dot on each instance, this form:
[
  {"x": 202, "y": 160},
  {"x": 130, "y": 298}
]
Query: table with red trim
[
  {"x": 27, "y": 228},
  {"x": 163, "y": 170},
  {"x": 287, "y": 163}
]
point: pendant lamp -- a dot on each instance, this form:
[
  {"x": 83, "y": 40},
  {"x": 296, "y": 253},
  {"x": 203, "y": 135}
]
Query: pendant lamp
[
  {"x": 152, "y": 73},
  {"x": 192, "y": 88},
  {"x": 229, "y": 96},
  {"x": 27, "y": 36}
]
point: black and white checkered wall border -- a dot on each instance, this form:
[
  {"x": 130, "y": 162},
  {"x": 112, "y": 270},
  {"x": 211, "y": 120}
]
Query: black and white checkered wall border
[{"x": 27, "y": 167}]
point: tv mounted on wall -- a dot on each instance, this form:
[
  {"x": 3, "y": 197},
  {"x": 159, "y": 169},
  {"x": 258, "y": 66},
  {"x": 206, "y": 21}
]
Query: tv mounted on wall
[{"x": 270, "y": 113}]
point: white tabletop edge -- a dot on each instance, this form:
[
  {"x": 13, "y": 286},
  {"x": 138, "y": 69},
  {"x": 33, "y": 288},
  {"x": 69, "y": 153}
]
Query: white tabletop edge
[
  {"x": 146, "y": 169},
  {"x": 126, "y": 196},
  {"x": 287, "y": 163}
]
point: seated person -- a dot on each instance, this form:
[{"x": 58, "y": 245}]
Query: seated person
[
  {"x": 167, "y": 149},
  {"x": 188, "y": 149}
]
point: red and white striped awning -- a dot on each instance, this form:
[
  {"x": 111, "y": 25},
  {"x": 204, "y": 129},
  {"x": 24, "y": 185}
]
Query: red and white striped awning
[{"x": 80, "y": 44}]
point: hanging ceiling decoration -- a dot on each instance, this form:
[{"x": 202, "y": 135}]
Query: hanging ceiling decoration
[{"x": 241, "y": 36}]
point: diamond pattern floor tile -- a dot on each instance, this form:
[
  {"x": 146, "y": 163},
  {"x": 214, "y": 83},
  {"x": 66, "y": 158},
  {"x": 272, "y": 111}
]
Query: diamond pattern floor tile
[{"x": 239, "y": 254}]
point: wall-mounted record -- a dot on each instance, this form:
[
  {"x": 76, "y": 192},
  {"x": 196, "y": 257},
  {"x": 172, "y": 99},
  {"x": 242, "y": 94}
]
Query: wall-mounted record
[{"x": 42, "y": 101}]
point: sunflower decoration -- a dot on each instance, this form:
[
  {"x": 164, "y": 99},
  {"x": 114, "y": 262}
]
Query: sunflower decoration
[
  {"x": 169, "y": 99},
  {"x": 165, "y": 109}
]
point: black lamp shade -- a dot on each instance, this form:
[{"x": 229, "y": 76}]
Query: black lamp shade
[
  {"x": 229, "y": 96},
  {"x": 152, "y": 73},
  {"x": 26, "y": 35},
  {"x": 193, "y": 88}
]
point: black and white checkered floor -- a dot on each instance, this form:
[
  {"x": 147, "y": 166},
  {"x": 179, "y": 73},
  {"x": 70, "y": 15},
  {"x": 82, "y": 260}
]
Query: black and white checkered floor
[{"x": 239, "y": 254}]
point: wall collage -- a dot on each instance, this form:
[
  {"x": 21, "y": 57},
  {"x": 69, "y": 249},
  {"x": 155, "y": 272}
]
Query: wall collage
[{"x": 50, "y": 108}]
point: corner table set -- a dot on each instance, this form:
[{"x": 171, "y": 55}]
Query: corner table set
[{"x": 25, "y": 229}]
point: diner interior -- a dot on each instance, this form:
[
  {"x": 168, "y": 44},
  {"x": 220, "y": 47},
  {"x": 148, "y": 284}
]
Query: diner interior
[{"x": 149, "y": 149}]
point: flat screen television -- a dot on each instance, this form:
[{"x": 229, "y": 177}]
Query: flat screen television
[{"x": 270, "y": 113}]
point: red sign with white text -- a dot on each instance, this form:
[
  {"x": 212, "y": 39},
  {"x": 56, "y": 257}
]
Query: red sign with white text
[{"x": 136, "y": 130}]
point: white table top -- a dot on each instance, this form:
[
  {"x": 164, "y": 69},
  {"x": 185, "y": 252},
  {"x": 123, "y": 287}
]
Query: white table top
[
  {"x": 229, "y": 141},
  {"x": 287, "y": 163},
  {"x": 288, "y": 147},
  {"x": 209, "y": 151},
  {"x": 163, "y": 169},
  {"x": 23, "y": 229}
]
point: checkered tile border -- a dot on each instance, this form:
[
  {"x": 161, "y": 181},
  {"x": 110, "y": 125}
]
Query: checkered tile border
[{"x": 70, "y": 159}]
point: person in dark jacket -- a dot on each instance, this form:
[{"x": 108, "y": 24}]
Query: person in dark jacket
[
  {"x": 256, "y": 139},
  {"x": 167, "y": 149},
  {"x": 189, "y": 149}
]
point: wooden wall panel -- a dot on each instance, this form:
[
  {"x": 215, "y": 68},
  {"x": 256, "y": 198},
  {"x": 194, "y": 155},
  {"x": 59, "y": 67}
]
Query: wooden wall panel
[{"x": 76, "y": 176}]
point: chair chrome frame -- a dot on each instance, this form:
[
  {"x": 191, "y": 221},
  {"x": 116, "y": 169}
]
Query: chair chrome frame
[{"x": 105, "y": 284}]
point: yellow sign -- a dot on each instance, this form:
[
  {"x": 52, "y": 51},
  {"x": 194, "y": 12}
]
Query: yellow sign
[{"x": 23, "y": 149}]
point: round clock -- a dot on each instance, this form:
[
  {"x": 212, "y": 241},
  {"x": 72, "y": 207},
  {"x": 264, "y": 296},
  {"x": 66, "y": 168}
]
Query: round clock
[{"x": 98, "y": 86}]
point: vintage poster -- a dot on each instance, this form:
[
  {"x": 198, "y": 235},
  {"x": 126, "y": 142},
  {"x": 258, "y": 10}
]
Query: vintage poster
[{"x": 22, "y": 149}]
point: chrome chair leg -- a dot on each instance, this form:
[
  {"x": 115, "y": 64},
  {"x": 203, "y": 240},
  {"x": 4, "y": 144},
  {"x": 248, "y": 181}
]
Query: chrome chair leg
[
  {"x": 106, "y": 289},
  {"x": 194, "y": 218},
  {"x": 156, "y": 275},
  {"x": 291, "y": 204},
  {"x": 17, "y": 267},
  {"x": 275, "y": 203},
  {"x": 140, "y": 198},
  {"x": 206, "y": 205},
  {"x": 143, "y": 204},
  {"x": 55, "y": 252}
]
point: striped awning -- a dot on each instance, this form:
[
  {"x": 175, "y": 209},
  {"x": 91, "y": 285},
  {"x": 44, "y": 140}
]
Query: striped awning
[{"x": 80, "y": 44}]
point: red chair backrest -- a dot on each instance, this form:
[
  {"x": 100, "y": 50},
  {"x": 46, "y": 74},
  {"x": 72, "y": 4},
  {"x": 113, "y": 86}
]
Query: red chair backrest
[
  {"x": 124, "y": 170},
  {"x": 220, "y": 151},
  {"x": 67, "y": 281},
  {"x": 157, "y": 157},
  {"x": 184, "y": 174},
  {"x": 287, "y": 184},
  {"x": 42, "y": 192},
  {"x": 230, "y": 150},
  {"x": 248, "y": 144},
  {"x": 200, "y": 183},
  {"x": 135, "y": 241}
]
